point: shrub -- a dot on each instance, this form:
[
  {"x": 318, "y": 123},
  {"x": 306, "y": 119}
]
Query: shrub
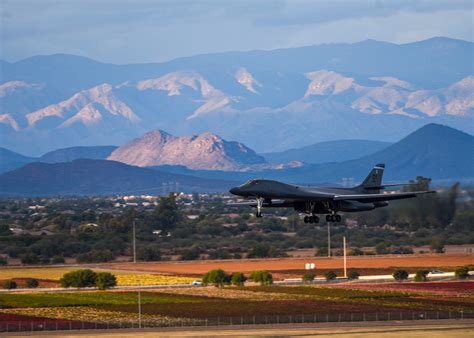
[
  {"x": 10, "y": 284},
  {"x": 58, "y": 260},
  {"x": 309, "y": 277},
  {"x": 32, "y": 283},
  {"x": 356, "y": 252},
  {"x": 3, "y": 262},
  {"x": 217, "y": 277},
  {"x": 105, "y": 280},
  {"x": 149, "y": 254},
  {"x": 238, "y": 278},
  {"x": 330, "y": 275},
  {"x": 96, "y": 256},
  {"x": 421, "y": 275},
  {"x": 191, "y": 255},
  {"x": 353, "y": 275},
  {"x": 462, "y": 272},
  {"x": 30, "y": 258},
  {"x": 437, "y": 245},
  {"x": 263, "y": 277},
  {"x": 79, "y": 279},
  {"x": 400, "y": 275}
]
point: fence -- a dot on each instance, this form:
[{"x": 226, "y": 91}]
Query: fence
[{"x": 57, "y": 325}]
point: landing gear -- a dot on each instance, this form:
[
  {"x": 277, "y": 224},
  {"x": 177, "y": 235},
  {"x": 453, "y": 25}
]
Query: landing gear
[
  {"x": 311, "y": 219},
  {"x": 333, "y": 218}
]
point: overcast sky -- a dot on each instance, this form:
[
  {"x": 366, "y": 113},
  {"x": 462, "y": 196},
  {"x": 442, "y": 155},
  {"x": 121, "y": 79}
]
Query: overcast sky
[{"x": 136, "y": 31}]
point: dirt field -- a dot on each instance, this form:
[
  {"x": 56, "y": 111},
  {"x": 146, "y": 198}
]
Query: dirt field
[{"x": 285, "y": 264}]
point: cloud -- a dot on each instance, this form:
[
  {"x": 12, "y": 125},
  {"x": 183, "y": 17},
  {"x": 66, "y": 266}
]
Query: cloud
[{"x": 123, "y": 31}]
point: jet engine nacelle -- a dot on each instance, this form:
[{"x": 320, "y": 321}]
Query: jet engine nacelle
[{"x": 351, "y": 206}]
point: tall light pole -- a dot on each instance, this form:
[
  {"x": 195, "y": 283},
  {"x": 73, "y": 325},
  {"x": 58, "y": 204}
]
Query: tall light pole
[
  {"x": 134, "y": 243},
  {"x": 329, "y": 239},
  {"x": 345, "y": 257}
]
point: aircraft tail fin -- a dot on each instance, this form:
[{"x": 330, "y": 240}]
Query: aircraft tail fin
[{"x": 374, "y": 180}]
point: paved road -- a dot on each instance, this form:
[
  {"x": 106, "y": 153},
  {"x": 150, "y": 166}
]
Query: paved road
[{"x": 421, "y": 329}]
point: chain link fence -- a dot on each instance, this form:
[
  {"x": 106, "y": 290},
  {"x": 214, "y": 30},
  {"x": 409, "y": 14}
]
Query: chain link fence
[{"x": 66, "y": 325}]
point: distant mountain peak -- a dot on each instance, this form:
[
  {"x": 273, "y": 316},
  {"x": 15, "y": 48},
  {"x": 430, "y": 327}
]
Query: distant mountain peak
[{"x": 203, "y": 151}]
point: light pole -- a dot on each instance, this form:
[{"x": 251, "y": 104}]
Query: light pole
[
  {"x": 345, "y": 257},
  {"x": 329, "y": 239},
  {"x": 134, "y": 244}
]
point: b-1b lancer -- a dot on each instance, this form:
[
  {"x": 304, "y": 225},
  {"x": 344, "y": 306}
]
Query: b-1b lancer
[{"x": 319, "y": 200}]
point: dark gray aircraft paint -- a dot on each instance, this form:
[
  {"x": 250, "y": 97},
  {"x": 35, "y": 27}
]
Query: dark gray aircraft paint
[{"x": 318, "y": 200}]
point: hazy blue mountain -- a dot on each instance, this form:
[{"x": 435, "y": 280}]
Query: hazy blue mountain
[
  {"x": 99, "y": 177},
  {"x": 74, "y": 153},
  {"x": 436, "y": 151},
  {"x": 330, "y": 151},
  {"x": 269, "y": 100},
  {"x": 10, "y": 160}
]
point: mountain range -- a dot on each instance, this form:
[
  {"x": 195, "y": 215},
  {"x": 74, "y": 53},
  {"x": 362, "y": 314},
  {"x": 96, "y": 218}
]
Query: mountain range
[
  {"x": 436, "y": 151},
  {"x": 268, "y": 100}
]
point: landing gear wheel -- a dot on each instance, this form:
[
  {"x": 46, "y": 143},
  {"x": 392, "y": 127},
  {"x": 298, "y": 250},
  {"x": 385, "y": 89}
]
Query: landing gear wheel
[
  {"x": 328, "y": 218},
  {"x": 315, "y": 219},
  {"x": 338, "y": 218},
  {"x": 258, "y": 214},
  {"x": 306, "y": 219}
]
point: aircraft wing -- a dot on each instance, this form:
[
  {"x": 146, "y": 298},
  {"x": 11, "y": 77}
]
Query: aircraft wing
[
  {"x": 380, "y": 197},
  {"x": 274, "y": 203}
]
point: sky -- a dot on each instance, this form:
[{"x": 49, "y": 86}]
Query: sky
[{"x": 138, "y": 31}]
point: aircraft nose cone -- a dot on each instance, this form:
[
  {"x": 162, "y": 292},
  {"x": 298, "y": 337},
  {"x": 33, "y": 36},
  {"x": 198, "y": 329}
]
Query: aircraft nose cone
[{"x": 234, "y": 191}]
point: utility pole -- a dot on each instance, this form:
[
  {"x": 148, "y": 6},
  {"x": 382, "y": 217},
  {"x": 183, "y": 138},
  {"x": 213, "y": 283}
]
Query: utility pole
[
  {"x": 329, "y": 239},
  {"x": 134, "y": 244},
  {"x": 345, "y": 257}
]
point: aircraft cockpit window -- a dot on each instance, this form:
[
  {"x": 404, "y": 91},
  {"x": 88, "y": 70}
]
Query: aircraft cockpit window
[{"x": 249, "y": 183}]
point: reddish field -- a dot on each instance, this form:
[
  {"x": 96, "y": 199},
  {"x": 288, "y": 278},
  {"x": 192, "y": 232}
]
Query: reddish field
[
  {"x": 440, "y": 288},
  {"x": 285, "y": 264}
]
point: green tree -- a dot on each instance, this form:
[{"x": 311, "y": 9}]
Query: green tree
[
  {"x": 353, "y": 275},
  {"x": 400, "y": 275},
  {"x": 9, "y": 284},
  {"x": 262, "y": 251},
  {"x": 421, "y": 275},
  {"x": 309, "y": 277},
  {"x": 217, "y": 277},
  {"x": 96, "y": 256},
  {"x": 262, "y": 276},
  {"x": 330, "y": 275},
  {"x": 238, "y": 278},
  {"x": 462, "y": 272},
  {"x": 32, "y": 283},
  {"x": 381, "y": 248},
  {"x": 191, "y": 255},
  {"x": 58, "y": 259},
  {"x": 149, "y": 254},
  {"x": 3, "y": 261},
  {"x": 30, "y": 258},
  {"x": 79, "y": 279},
  {"x": 437, "y": 245},
  {"x": 105, "y": 280}
]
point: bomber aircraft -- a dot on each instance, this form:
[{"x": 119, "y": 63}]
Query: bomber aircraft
[{"x": 319, "y": 200}]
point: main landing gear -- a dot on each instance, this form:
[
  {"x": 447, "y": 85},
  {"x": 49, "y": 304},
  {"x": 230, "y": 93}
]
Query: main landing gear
[
  {"x": 311, "y": 219},
  {"x": 333, "y": 218}
]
